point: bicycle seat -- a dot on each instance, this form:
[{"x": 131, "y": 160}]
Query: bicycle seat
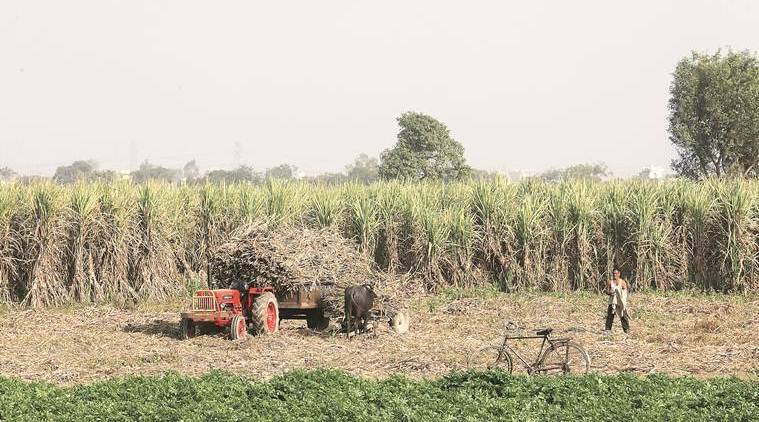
[{"x": 544, "y": 332}]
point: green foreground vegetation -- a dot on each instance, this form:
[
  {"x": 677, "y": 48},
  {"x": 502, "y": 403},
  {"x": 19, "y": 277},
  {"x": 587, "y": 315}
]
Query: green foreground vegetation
[{"x": 335, "y": 395}]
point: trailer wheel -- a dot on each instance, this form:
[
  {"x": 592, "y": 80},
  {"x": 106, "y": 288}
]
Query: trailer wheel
[
  {"x": 400, "y": 322},
  {"x": 186, "y": 329},
  {"x": 317, "y": 322},
  {"x": 265, "y": 314},
  {"x": 238, "y": 329}
]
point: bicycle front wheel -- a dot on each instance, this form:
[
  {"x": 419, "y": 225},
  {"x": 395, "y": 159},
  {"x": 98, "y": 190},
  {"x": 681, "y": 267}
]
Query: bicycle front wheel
[
  {"x": 492, "y": 357},
  {"x": 565, "y": 358}
]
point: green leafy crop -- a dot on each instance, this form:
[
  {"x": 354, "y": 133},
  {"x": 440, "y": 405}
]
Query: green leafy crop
[{"x": 334, "y": 395}]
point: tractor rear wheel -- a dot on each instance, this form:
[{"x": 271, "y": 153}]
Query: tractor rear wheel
[
  {"x": 238, "y": 329},
  {"x": 186, "y": 329},
  {"x": 265, "y": 314}
]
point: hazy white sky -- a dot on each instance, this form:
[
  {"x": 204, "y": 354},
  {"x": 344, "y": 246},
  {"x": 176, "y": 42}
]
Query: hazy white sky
[{"x": 522, "y": 85}]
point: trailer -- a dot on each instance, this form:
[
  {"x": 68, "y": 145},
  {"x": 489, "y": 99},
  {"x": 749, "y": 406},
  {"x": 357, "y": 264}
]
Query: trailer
[{"x": 259, "y": 310}]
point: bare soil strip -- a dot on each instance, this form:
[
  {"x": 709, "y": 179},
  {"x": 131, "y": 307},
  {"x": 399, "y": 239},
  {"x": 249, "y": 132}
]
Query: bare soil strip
[{"x": 679, "y": 334}]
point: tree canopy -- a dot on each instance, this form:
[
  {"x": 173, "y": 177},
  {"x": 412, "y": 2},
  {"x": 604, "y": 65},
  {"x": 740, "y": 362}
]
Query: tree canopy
[
  {"x": 425, "y": 150},
  {"x": 82, "y": 170},
  {"x": 191, "y": 171},
  {"x": 577, "y": 172},
  {"x": 7, "y": 174},
  {"x": 238, "y": 175},
  {"x": 148, "y": 171},
  {"x": 282, "y": 172},
  {"x": 714, "y": 115},
  {"x": 364, "y": 169}
]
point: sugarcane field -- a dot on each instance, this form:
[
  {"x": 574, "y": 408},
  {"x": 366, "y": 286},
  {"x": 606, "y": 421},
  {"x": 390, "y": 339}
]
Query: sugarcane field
[
  {"x": 103, "y": 271},
  {"x": 379, "y": 211}
]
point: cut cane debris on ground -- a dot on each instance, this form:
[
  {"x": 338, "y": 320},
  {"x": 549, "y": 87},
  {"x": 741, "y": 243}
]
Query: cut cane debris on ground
[{"x": 678, "y": 334}]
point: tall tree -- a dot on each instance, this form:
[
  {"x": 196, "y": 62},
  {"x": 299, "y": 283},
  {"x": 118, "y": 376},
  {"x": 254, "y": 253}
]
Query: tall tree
[
  {"x": 714, "y": 115},
  {"x": 424, "y": 151}
]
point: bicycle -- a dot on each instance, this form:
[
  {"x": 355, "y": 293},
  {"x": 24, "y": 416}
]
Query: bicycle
[{"x": 556, "y": 355}]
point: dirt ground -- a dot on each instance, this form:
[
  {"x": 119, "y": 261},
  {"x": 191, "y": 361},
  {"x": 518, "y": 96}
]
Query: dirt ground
[{"x": 675, "y": 334}]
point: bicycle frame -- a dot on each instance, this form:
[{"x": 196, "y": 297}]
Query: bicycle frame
[{"x": 541, "y": 354}]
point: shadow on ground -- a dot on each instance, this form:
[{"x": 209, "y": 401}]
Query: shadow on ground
[{"x": 156, "y": 327}]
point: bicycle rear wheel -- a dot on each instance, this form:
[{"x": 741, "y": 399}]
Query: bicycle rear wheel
[
  {"x": 491, "y": 357},
  {"x": 565, "y": 358}
]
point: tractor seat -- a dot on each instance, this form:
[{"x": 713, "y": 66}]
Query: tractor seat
[{"x": 544, "y": 332}]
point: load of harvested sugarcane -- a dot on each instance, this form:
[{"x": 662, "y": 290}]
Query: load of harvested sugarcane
[{"x": 293, "y": 258}]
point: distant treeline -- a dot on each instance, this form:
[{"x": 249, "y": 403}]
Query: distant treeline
[{"x": 363, "y": 169}]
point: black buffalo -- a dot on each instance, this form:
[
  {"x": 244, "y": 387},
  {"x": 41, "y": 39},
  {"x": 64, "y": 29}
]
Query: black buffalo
[{"x": 358, "y": 301}]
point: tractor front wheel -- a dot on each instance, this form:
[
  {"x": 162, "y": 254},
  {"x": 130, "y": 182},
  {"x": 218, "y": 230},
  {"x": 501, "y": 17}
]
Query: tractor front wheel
[
  {"x": 238, "y": 329},
  {"x": 265, "y": 314}
]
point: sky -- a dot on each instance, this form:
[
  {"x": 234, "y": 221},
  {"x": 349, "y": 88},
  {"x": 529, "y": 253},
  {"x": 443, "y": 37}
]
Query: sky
[{"x": 527, "y": 85}]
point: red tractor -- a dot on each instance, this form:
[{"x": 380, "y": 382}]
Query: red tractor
[{"x": 256, "y": 309}]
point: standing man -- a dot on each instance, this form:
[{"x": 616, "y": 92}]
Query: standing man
[{"x": 617, "y": 289}]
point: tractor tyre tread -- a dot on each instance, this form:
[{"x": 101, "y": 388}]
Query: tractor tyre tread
[
  {"x": 259, "y": 313},
  {"x": 233, "y": 327}
]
